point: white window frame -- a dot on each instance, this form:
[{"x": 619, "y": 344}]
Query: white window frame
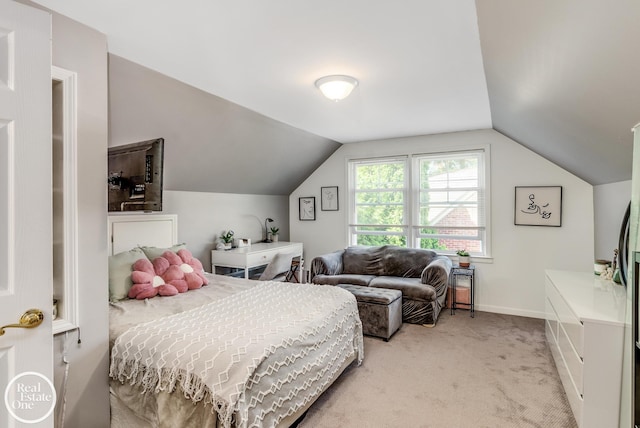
[
  {"x": 412, "y": 195},
  {"x": 406, "y": 212},
  {"x": 481, "y": 189}
]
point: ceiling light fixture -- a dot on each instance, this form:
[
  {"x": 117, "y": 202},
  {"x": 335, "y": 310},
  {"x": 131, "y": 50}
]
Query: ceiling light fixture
[{"x": 336, "y": 87}]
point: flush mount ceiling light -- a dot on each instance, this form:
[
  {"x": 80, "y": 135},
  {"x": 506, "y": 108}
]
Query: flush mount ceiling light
[{"x": 336, "y": 87}]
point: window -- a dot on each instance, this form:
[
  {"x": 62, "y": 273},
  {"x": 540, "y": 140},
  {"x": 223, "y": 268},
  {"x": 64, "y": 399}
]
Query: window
[
  {"x": 378, "y": 201},
  {"x": 450, "y": 202},
  {"x": 434, "y": 201}
]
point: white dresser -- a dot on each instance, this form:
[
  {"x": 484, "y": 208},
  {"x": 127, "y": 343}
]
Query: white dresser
[
  {"x": 584, "y": 328},
  {"x": 255, "y": 255}
]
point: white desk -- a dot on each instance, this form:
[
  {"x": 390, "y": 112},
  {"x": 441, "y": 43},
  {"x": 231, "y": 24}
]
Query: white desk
[{"x": 255, "y": 255}]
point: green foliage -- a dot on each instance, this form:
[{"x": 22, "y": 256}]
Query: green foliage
[
  {"x": 431, "y": 243},
  {"x": 275, "y": 230},
  {"x": 462, "y": 253},
  {"x": 380, "y": 200},
  {"x": 377, "y": 240},
  {"x": 227, "y": 236}
]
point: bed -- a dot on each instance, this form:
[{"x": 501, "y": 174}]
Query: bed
[{"x": 234, "y": 353}]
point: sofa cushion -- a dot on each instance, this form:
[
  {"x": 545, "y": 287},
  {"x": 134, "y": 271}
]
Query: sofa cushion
[
  {"x": 411, "y": 288},
  {"x": 386, "y": 260},
  {"x": 362, "y": 260},
  {"x": 405, "y": 262},
  {"x": 343, "y": 279}
]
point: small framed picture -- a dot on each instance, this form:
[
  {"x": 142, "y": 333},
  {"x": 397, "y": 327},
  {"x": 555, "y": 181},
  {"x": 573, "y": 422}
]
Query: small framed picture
[
  {"x": 307, "y": 208},
  {"x": 538, "y": 206},
  {"x": 329, "y": 198}
]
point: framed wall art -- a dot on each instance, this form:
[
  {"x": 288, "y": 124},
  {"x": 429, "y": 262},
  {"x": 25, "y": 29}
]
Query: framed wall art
[
  {"x": 329, "y": 198},
  {"x": 307, "y": 208},
  {"x": 538, "y": 206}
]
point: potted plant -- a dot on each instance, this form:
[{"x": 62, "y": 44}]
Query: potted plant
[
  {"x": 227, "y": 239},
  {"x": 274, "y": 234},
  {"x": 463, "y": 258}
]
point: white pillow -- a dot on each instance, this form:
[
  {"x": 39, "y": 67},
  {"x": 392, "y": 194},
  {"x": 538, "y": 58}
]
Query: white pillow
[
  {"x": 120, "y": 268},
  {"x": 155, "y": 252}
]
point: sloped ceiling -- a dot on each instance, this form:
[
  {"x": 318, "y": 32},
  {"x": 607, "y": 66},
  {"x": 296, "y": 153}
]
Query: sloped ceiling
[
  {"x": 564, "y": 80},
  {"x": 561, "y": 76}
]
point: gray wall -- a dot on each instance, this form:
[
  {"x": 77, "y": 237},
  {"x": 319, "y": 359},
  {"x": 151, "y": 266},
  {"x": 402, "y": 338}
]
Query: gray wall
[
  {"x": 202, "y": 216},
  {"x": 84, "y": 50},
  {"x": 211, "y": 145},
  {"x": 511, "y": 280},
  {"x": 225, "y": 167},
  {"x": 563, "y": 81},
  {"x": 610, "y": 202}
]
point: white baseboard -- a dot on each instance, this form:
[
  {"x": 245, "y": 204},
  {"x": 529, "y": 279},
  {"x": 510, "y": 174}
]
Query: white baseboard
[{"x": 510, "y": 311}]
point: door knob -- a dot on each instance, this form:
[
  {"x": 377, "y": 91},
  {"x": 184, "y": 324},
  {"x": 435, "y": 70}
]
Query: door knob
[{"x": 30, "y": 319}]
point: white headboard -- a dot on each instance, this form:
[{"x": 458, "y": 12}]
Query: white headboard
[{"x": 152, "y": 230}]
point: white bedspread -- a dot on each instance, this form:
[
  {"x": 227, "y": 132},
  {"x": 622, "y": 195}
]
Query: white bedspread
[{"x": 257, "y": 356}]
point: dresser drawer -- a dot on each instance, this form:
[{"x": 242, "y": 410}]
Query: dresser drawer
[
  {"x": 261, "y": 258},
  {"x": 568, "y": 321},
  {"x": 575, "y": 399},
  {"x": 572, "y": 360},
  {"x": 552, "y": 318}
]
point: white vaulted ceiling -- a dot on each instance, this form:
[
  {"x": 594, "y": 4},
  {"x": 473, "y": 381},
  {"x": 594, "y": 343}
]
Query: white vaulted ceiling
[{"x": 559, "y": 76}]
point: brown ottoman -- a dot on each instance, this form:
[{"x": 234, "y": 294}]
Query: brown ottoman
[{"x": 380, "y": 309}]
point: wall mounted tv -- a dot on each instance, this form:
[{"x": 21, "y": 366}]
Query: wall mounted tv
[{"x": 135, "y": 176}]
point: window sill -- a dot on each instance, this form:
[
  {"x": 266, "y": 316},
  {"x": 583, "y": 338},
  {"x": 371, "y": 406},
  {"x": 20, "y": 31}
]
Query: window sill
[{"x": 474, "y": 259}]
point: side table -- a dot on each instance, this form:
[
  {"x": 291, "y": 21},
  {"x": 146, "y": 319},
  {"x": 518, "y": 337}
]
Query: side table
[{"x": 468, "y": 272}]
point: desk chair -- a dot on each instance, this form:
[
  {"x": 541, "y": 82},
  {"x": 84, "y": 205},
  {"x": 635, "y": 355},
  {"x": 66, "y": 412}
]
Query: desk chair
[{"x": 278, "y": 268}]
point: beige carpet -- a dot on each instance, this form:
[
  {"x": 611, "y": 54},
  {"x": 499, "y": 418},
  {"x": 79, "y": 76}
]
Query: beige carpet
[{"x": 489, "y": 371}]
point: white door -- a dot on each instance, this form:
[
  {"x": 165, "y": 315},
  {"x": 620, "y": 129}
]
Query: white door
[{"x": 26, "y": 355}]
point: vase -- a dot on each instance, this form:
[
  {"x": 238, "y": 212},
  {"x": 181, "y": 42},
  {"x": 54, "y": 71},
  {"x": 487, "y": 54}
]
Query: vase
[
  {"x": 274, "y": 238},
  {"x": 464, "y": 261}
]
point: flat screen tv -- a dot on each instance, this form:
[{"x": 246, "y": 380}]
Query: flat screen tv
[{"x": 135, "y": 176}]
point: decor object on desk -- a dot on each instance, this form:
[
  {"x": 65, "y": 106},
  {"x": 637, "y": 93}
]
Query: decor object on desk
[
  {"x": 463, "y": 258},
  {"x": 242, "y": 242},
  {"x": 307, "y": 208},
  {"x": 274, "y": 234},
  {"x": 329, "y": 199},
  {"x": 538, "y": 206},
  {"x": 227, "y": 238},
  {"x": 266, "y": 229},
  {"x": 600, "y": 266}
]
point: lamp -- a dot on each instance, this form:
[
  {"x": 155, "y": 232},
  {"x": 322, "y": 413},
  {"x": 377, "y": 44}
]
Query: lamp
[
  {"x": 266, "y": 234},
  {"x": 336, "y": 87}
]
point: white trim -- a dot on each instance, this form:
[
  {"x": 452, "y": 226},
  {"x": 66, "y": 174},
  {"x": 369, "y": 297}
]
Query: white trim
[
  {"x": 70, "y": 318},
  {"x": 510, "y": 311},
  {"x": 157, "y": 222},
  {"x": 411, "y": 194}
]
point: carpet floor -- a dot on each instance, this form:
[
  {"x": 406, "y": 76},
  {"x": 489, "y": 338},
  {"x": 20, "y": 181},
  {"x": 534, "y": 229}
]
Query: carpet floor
[{"x": 489, "y": 371}]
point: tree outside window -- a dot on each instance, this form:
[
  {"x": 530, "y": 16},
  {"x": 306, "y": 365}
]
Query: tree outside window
[{"x": 439, "y": 206}]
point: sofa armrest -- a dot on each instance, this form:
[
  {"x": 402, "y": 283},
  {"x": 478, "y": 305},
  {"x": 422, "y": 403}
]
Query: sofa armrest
[
  {"x": 436, "y": 274},
  {"x": 327, "y": 264}
]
